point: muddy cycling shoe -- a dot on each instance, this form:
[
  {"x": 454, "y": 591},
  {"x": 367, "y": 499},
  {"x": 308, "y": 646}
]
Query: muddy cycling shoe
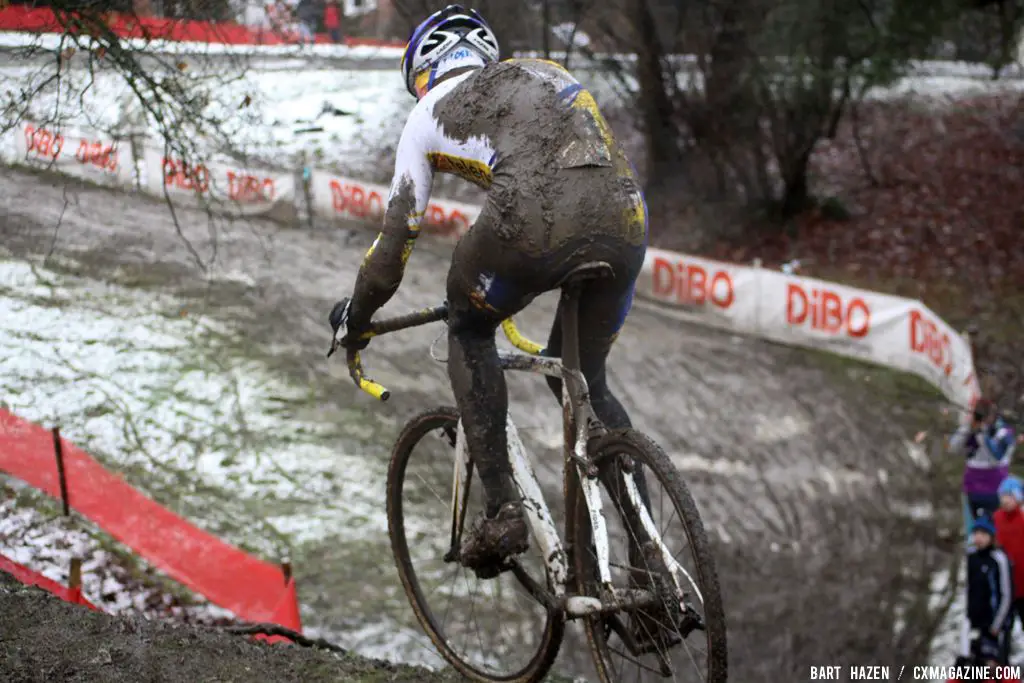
[
  {"x": 654, "y": 629},
  {"x": 491, "y": 541}
]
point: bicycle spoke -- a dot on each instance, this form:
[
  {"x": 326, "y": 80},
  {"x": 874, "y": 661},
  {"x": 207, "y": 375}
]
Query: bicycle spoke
[
  {"x": 654, "y": 642},
  {"x": 492, "y": 628}
]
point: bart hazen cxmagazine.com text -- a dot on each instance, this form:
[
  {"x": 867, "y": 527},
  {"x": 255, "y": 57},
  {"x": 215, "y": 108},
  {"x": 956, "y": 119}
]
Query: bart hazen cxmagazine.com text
[{"x": 916, "y": 673}]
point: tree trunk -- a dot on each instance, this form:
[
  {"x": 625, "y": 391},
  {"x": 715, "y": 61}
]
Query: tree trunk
[
  {"x": 546, "y": 38},
  {"x": 660, "y": 132},
  {"x": 796, "y": 196}
]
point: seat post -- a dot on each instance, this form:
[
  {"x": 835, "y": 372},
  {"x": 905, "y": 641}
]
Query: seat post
[
  {"x": 570, "y": 325},
  {"x": 572, "y": 286}
]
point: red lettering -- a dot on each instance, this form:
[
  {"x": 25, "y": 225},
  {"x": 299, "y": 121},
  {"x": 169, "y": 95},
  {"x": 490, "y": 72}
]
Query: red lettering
[
  {"x": 250, "y": 189},
  {"x": 827, "y": 311},
  {"x": 355, "y": 200},
  {"x": 444, "y": 224},
  {"x": 926, "y": 339},
  {"x": 43, "y": 143},
  {"x": 184, "y": 176},
  {"x": 103, "y": 157},
  {"x": 459, "y": 222},
  {"x": 692, "y": 284}
]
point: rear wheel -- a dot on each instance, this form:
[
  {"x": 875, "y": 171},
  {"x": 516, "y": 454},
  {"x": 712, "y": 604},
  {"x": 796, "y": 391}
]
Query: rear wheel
[
  {"x": 489, "y": 630},
  {"x": 682, "y": 637}
]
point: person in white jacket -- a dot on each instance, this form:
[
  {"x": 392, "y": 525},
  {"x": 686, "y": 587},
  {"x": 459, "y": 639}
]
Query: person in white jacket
[{"x": 987, "y": 444}]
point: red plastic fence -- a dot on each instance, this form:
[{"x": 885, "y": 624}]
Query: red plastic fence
[
  {"x": 253, "y": 589},
  {"x": 31, "y": 578},
  {"x": 43, "y": 20}
]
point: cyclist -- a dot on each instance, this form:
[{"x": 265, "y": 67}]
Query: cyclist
[{"x": 561, "y": 192}]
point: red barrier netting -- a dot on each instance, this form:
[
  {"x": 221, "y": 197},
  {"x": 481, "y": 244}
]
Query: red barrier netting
[
  {"x": 31, "y": 578},
  {"x": 252, "y": 588},
  {"x": 43, "y": 20}
]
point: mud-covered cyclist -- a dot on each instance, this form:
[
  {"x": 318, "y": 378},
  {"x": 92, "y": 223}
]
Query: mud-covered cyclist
[{"x": 561, "y": 192}]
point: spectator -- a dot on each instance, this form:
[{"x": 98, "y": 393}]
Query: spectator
[
  {"x": 987, "y": 444},
  {"x": 1009, "y": 520},
  {"x": 307, "y": 14},
  {"x": 332, "y": 20},
  {"x": 989, "y": 594}
]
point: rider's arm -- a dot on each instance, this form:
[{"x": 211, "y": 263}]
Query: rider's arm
[{"x": 384, "y": 264}]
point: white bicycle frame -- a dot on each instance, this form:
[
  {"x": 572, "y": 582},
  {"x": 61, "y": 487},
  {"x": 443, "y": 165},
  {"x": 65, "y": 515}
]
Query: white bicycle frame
[{"x": 539, "y": 515}]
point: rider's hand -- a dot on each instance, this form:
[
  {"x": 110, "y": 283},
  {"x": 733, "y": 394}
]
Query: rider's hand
[{"x": 343, "y": 334}]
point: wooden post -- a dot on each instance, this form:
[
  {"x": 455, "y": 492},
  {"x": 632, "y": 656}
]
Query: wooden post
[
  {"x": 286, "y": 567},
  {"x": 58, "y": 450},
  {"x": 75, "y": 576}
]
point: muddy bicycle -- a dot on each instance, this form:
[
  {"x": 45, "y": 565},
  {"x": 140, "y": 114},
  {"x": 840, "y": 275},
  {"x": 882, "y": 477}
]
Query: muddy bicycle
[{"x": 644, "y": 612}]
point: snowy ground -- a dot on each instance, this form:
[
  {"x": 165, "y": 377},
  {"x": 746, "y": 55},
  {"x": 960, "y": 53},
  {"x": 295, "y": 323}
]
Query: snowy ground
[
  {"x": 223, "y": 380},
  {"x": 137, "y": 380},
  {"x": 155, "y": 391},
  {"x": 174, "y": 398},
  {"x": 347, "y": 120},
  {"x": 34, "y": 534}
]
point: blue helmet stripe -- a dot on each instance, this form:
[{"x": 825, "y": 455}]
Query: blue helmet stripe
[{"x": 418, "y": 34}]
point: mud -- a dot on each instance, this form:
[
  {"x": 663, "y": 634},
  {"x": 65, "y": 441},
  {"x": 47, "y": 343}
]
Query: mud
[
  {"x": 43, "y": 638},
  {"x": 558, "y": 173},
  {"x": 766, "y": 437}
]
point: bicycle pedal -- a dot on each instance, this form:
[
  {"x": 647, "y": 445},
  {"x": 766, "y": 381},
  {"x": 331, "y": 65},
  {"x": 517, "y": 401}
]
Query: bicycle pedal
[
  {"x": 655, "y": 643},
  {"x": 491, "y": 571},
  {"x": 690, "y": 622}
]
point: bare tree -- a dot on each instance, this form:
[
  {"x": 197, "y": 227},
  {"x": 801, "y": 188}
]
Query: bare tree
[
  {"x": 733, "y": 96},
  {"x": 87, "y": 73}
]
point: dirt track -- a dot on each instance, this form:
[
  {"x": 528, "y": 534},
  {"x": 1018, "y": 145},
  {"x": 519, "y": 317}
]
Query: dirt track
[
  {"x": 775, "y": 446},
  {"x": 45, "y": 639}
]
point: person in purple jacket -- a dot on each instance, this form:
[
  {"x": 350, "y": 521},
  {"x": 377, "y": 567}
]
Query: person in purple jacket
[{"x": 987, "y": 443}]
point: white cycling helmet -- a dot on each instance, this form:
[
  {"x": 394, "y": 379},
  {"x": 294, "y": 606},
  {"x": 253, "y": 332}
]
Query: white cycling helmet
[{"x": 438, "y": 36}]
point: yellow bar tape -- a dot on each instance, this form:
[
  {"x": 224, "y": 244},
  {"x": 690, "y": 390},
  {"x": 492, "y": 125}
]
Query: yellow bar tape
[
  {"x": 378, "y": 391},
  {"x": 508, "y": 326},
  {"x": 373, "y": 389}
]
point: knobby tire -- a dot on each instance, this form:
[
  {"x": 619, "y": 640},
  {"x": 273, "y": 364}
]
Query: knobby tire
[
  {"x": 418, "y": 427},
  {"x": 657, "y": 464}
]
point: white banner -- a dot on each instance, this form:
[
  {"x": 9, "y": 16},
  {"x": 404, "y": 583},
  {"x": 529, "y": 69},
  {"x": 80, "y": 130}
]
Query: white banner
[
  {"x": 709, "y": 292},
  {"x": 892, "y": 331},
  {"x": 340, "y": 198},
  {"x": 75, "y": 152},
  {"x": 236, "y": 190}
]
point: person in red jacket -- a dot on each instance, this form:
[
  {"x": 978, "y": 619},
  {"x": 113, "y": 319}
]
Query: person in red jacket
[
  {"x": 1009, "y": 520},
  {"x": 332, "y": 20}
]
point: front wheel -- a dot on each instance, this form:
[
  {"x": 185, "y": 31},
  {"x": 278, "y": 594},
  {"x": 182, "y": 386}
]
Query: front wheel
[
  {"x": 683, "y": 637},
  {"x": 488, "y": 630}
]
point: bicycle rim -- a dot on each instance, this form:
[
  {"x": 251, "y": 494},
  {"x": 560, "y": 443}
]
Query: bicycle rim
[
  {"x": 700, "y": 657},
  {"x": 421, "y": 478}
]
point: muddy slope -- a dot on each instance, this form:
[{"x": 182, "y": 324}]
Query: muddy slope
[
  {"x": 779, "y": 451},
  {"x": 43, "y": 638},
  {"x": 729, "y": 402}
]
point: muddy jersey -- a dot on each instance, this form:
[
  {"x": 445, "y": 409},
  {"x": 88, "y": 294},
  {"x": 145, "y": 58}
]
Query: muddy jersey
[{"x": 530, "y": 134}]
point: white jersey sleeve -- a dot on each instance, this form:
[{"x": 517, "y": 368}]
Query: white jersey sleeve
[{"x": 423, "y": 149}]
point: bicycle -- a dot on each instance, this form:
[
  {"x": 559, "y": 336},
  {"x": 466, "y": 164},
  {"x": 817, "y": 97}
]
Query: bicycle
[{"x": 578, "y": 581}]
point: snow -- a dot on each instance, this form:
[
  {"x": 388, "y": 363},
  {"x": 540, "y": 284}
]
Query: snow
[
  {"x": 12, "y": 40},
  {"x": 46, "y": 544},
  {"x": 142, "y": 383},
  {"x": 356, "y": 116}
]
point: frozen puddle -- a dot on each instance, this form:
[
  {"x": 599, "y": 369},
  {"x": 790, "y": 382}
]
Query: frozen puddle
[{"x": 152, "y": 390}]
